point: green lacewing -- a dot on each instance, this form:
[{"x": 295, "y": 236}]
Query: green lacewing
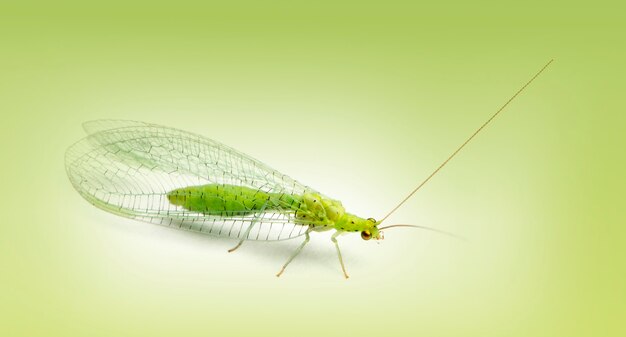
[{"x": 176, "y": 178}]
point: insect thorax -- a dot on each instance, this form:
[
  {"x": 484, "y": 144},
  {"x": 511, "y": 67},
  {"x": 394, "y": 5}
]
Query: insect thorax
[{"x": 318, "y": 211}]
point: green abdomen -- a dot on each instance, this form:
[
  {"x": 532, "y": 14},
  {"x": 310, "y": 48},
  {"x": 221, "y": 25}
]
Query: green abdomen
[{"x": 227, "y": 200}]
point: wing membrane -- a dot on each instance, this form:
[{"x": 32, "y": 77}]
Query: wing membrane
[{"x": 127, "y": 168}]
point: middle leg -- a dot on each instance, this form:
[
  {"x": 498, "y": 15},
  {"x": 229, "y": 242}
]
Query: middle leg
[
  {"x": 247, "y": 232},
  {"x": 306, "y": 240}
]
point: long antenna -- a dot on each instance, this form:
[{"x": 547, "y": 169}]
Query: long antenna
[
  {"x": 468, "y": 140},
  {"x": 426, "y": 228}
]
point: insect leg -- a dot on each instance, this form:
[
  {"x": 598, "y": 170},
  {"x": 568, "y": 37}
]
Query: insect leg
[
  {"x": 306, "y": 239},
  {"x": 252, "y": 223},
  {"x": 334, "y": 240}
]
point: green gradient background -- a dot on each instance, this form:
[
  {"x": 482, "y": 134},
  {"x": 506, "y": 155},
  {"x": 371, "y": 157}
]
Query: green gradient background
[{"x": 358, "y": 100}]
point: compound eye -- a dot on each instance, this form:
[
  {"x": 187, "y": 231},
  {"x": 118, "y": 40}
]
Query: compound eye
[
  {"x": 372, "y": 220},
  {"x": 366, "y": 235}
]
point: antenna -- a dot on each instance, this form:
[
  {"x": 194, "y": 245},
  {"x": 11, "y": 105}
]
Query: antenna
[
  {"x": 468, "y": 140},
  {"x": 426, "y": 228}
]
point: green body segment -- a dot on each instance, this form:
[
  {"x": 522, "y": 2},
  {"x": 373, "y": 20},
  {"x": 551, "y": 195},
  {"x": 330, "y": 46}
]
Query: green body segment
[
  {"x": 230, "y": 201},
  {"x": 225, "y": 200}
]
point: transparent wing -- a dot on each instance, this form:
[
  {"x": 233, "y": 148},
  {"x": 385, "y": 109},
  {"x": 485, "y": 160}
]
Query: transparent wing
[{"x": 127, "y": 168}]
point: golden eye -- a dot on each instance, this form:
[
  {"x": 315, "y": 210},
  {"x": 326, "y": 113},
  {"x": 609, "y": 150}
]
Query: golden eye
[
  {"x": 366, "y": 235},
  {"x": 372, "y": 220}
]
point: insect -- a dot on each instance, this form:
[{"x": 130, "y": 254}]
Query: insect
[{"x": 171, "y": 177}]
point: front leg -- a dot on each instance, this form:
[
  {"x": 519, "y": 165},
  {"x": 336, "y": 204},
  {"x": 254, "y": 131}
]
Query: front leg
[{"x": 334, "y": 240}]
